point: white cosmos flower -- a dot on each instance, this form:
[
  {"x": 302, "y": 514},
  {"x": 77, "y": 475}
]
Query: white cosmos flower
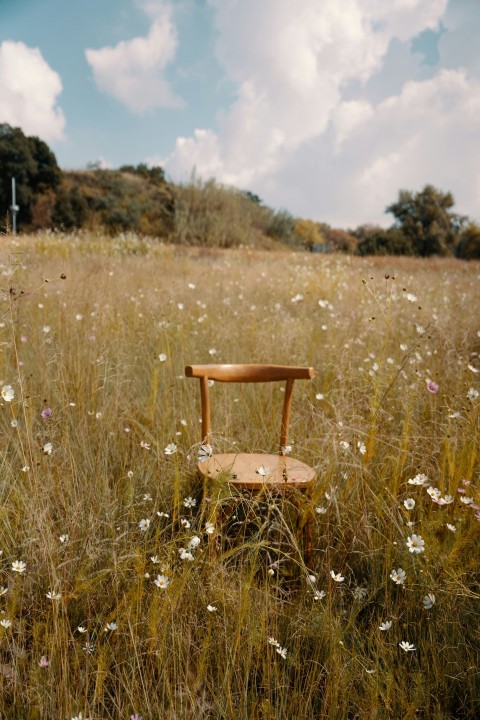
[
  {"x": 416, "y": 544},
  {"x": 429, "y": 601},
  {"x": 144, "y": 524},
  {"x": 194, "y": 542},
  {"x": 451, "y": 527},
  {"x": 409, "y": 503},
  {"x": 411, "y": 297},
  {"x": 385, "y": 625},
  {"x": 47, "y": 448},
  {"x": 211, "y": 608},
  {"x": 209, "y": 528},
  {"x": 8, "y": 393},
  {"x": 361, "y": 447},
  {"x": 185, "y": 554},
  {"x": 344, "y": 444},
  {"x": 162, "y": 581},
  {"x": 204, "y": 453},
  {"x": 408, "y": 647},
  {"x": 111, "y": 626},
  {"x": 419, "y": 479},
  {"x": 162, "y": 357},
  {"x": 189, "y": 502},
  {"x": 171, "y": 449},
  {"x": 472, "y": 394},
  {"x": 398, "y": 576},
  {"x": 3, "y": 590},
  {"x": 434, "y": 492},
  {"x": 319, "y": 594},
  {"x": 185, "y": 523},
  {"x": 6, "y": 623},
  {"x": 19, "y": 566},
  {"x": 262, "y": 470},
  {"x": 320, "y": 510},
  {"x": 82, "y": 629},
  {"x": 52, "y": 595},
  {"x": 338, "y": 577},
  {"x": 286, "y": 450},
  {"x": 64, "y": 538},
  {"x": 466, "y": 500},
  {"x": 273, "y": 642},
  {"x": 282, "y": 652}
]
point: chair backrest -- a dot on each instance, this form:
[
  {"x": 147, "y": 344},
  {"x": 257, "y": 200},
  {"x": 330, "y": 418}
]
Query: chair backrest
[{"x": 248, "y": 374}]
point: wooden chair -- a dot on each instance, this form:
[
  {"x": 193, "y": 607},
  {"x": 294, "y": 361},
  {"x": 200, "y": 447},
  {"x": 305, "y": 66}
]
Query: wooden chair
[{"x": 255, "y": 471}]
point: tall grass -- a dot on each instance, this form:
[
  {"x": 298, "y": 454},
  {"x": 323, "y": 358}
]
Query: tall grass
[{"x": 84, "y": 323}]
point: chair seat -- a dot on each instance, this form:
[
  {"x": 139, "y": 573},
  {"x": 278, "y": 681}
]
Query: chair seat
[{"x": 255, "y": 471}]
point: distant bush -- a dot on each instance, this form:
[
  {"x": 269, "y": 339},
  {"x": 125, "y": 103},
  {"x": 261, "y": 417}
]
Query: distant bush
[
  {"x": 468, "y": 247},
  {"x": 385, "y": 242}
]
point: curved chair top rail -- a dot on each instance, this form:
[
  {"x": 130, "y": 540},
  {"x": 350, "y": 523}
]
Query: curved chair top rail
[{"x": 249, "y": 373}]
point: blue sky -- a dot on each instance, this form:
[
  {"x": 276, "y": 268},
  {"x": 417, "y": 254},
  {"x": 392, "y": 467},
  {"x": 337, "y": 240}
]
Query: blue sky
[{"x": 323, "y": 107}]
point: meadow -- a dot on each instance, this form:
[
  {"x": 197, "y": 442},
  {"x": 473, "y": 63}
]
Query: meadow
[{"x": 122, "y": 593}]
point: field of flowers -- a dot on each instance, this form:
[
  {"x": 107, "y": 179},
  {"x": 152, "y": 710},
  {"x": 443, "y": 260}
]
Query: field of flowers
[{"x": 123, "y": 595}]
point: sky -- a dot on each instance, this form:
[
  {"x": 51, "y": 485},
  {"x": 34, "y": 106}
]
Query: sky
[{"x": 324, "y": 108}]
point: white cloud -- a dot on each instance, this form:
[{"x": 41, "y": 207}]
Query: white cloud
[
  {"x": 132, "y": 71},
  {"x": 297, "y": 136},
  {"x": 29, "y": 89}
]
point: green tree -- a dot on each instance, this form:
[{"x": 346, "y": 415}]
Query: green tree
[
  {"x": 425, "y": 218},
  {"x": 381, "y": 241},
  {"x": 33, "y": 165},
  {"x": 468, "y": 247}
]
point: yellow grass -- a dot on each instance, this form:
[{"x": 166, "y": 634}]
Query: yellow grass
[{"x": 87, "y": 346}]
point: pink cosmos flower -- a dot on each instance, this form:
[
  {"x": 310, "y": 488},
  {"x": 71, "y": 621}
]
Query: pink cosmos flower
[
  {"x": 432, "y": 387},
  {"x": 46, "y": 413},
  {"x": 44, "y": 663}
]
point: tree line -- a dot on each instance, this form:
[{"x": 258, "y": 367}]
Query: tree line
[{"x": 139, "y": 198}]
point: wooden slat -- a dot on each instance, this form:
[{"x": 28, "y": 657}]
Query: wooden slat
[{"x": 249, "y": 373}]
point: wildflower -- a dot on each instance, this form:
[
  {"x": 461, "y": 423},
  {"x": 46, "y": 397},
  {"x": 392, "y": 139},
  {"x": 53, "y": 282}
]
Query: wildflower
[
  {"x": 162, "y": 581},
  {"x": 432, "y": 387},
  {"x": 416, "y": 544},
  {"x": 194, "y": 542},
  {"x": 282, "y": 652},
  {"x": 185, "y": 523},
  {"x": 14, "y": 423},
  {"x": 409, "y": 503},
  {"x": 111, "y": 626},
  {"x": 344, "y": 444},
  {"x": 46, "y": 413},
  {"x": 273, "y": 642},
  {"x": 473, "y": 369},
  {"x": 82, "y": 629},
  {"x": 19, "y": 566},
  {"x": 398, "y": 576},
  {"x": 145, "y": 445},
  {"x": 408, "y": 647},
  {"x": 446, "y": 500},
  {"x": 89, "y": 648},
  {"x": 361, "y": 447},
  {"x": 319, "y": 594},
  {"x": 286, "y": 450},
  {"x": 162, "y": 357},
  {"x": 6, "y": 623},
  {"x": 411, "y": 297},
  {"x": 419, "y": 479},
  {"x": 212, "y": 352},
  {"x": 420, "y": 329},
  {"x": 311, "y": 578},
  {"x": 3, "y": 590},
  {"x": 43, "y": 662},
  {"x": 64, "y": 538},
  {"x": 162, "y": 514},
  {"x": 144, "y": 524},
  {"x": 451, "y": 527},
  {"x": 429, "y": 601},
  {"x": 204, "y": 453},
  {"x": 52, "y": 595},
  {"x": 385, "y": 625},
  {"x": 319, "y": 396},
  {"x": 171, "y": 449},
  {"x": 154, "y": 559},
  {"x": 8, "y": 393},
  {"x": 189, "y": 502},
  {"x": 211, "y": 608},
  {"x": 472, "y": 394},
  {"x": 147, "y": 497},
  {"x": 209, "y": 528},
  {"x": 46, "y": 329},
  {"x": 136, "y": 716},
  {"x": 130, "y": 473},
  {"x": 337, "y": 576},
  {"x": 434, "y": 492},
  {"x": 466, "y": 500},
  {"x": 47, "y": 448},
  {"x": 262, "y": 470},
  {"x": 320, "y": 510},
  {"x": 185, "y": 554}
]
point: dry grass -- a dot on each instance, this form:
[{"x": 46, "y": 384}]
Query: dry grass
[{"x": 87, "y": 346}]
